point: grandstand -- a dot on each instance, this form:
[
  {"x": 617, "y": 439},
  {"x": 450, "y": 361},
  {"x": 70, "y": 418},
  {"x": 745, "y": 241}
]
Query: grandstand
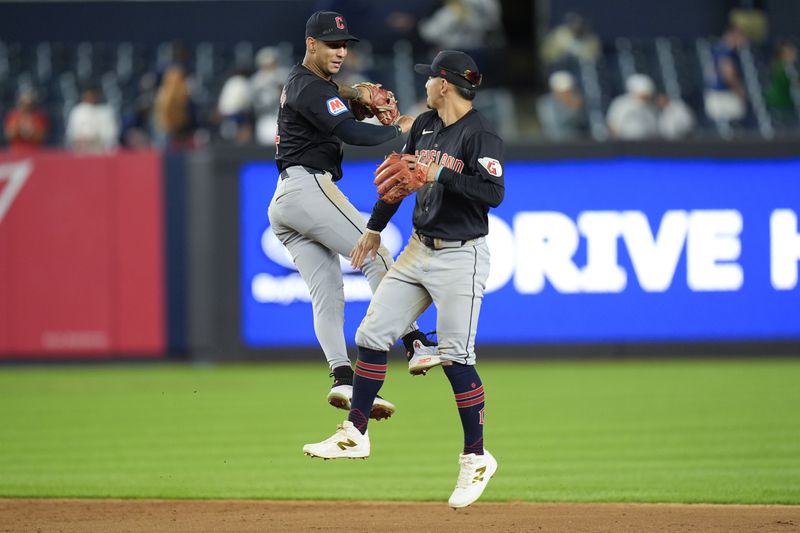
[{"x": 680, "y": 63}]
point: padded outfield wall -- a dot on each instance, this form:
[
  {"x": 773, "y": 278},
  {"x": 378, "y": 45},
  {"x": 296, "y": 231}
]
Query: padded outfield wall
[
  {"x": 610, "y": 249},
  {"x": 613, "y": 249}
]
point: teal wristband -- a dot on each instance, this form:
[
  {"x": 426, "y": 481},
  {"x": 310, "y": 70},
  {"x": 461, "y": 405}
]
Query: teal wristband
[{"x": 438, "y": 173}]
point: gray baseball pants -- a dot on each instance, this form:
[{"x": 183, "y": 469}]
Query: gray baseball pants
[
  {"x": 452, "y": 276},
  {"x": 317, "y": 223}
]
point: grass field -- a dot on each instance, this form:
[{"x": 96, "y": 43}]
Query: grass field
[{"x": 623, "y": 431}]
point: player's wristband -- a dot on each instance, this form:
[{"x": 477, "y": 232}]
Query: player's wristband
[
  {"x": 399, "y": 129},
  {"x": 372, "y": 231},
  {"x": 438, "y": 173}
]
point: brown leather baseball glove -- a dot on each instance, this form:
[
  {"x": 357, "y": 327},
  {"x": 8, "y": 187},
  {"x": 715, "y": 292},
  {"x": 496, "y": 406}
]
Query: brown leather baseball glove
[
  {"x": 382, "y": 105},
  {"x": 400, "y": 175}
]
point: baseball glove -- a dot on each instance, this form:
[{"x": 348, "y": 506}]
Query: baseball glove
[
  {"x": 400, "y": 175},
  {"x": 382, "y": 105}
]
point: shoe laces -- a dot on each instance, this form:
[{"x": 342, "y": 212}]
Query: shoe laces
[
  {"x": 467, "y": 472},
  {"x": 341, "y": 432}
]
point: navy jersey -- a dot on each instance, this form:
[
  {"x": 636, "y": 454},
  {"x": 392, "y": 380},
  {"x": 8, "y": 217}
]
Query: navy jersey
[
  {"x": 310, "y": 109},
  {"x": 456, "y": 207}
]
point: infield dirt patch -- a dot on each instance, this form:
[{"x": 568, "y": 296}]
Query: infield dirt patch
[{"x": 106, "y": 516}]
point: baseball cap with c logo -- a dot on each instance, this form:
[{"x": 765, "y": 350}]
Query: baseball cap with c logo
[{"x": 328, "y": 26}]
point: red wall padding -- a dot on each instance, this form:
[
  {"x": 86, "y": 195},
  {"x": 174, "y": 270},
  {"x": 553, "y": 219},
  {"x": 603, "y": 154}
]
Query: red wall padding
[{"x": 81, "y": 256}]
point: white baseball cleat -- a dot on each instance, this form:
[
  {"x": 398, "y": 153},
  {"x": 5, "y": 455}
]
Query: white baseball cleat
[
  {"x": 341, "y": 395},
  {"x": 347, "y": 442},
  {"x": 423, "y": 359},
  {"x": 476, "y": 471}
]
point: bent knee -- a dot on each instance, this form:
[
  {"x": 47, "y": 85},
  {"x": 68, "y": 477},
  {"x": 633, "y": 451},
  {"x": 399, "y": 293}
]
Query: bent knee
[{"x": 371, "y": 335}]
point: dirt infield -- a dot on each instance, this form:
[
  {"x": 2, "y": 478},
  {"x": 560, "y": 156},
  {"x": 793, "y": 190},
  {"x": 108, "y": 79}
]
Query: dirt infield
[{"x": 178, "y": 516}]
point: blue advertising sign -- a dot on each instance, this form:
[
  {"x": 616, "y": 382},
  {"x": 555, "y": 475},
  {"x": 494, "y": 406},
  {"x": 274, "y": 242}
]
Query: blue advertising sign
[{"x": 624, "y": 250}]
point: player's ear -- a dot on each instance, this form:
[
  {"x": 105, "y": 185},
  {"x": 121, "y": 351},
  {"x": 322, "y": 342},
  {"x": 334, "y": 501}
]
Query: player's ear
[{"x": 311, "y": 44}]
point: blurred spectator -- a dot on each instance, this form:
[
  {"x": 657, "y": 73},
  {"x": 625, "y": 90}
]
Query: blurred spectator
[
  {"x": 235, "y": 108},
  {"x": 91, "y": 126},
  {"x": 783, "y": 73},
  {"x": 463, "y": 25},
  {"x": 675, "y": 119},
  {"x": 267, "y": 84},
  {"x": 572, "y": 39},
  {"x": 632, "y": 116},
  {"x": 26, "y": 126},
  {"x": 725, "y": 97},
  {"x": 751, "y": 20},
  {"x": 561, "y": 112},
  {"x": 174, "y": 117},
  {"x": 137, "y": 126}
]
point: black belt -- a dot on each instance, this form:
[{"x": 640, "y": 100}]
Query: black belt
[
  {"x": 435, "y": 243},
  {"x": 310, "y": 170}
]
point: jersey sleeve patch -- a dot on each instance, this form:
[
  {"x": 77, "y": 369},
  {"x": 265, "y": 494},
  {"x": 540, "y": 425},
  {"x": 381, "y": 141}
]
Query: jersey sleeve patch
[
  {"x": 336, "y": 106},
  {"x": 492, "y": 166}
]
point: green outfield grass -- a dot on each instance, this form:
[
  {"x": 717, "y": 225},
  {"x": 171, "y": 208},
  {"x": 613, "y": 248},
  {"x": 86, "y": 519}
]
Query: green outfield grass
[{"x": 623, "y": 431}]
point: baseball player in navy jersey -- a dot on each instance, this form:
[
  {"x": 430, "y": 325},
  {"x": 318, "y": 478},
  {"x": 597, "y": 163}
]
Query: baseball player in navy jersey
[
  {"x": 446, "y": 262},
  {"x": 308, "y": 213}
]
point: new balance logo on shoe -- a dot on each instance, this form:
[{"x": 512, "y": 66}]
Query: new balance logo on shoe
[
  {"x": 478, "y": 474},
  {"x": 348, "y": 444}
]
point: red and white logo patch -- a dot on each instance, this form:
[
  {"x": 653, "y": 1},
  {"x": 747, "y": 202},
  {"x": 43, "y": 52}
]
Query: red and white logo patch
[
  {"x": 336, "y": 106},
  {"x": 492, "y": 166}
]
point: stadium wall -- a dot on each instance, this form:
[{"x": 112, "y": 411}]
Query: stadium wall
[
  {"x": 726, "y": 284},
  {"x": 654, "y": 249},
  {"x": 81, "y": 256}
]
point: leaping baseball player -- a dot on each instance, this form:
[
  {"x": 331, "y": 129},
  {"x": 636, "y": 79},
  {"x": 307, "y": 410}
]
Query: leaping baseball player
[{"x": 308, "y": 213}]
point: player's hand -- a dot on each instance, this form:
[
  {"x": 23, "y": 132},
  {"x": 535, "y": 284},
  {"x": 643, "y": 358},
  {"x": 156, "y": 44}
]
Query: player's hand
[
  {"x": 405, "y": 122},
  {"x": 364, "y": 95},
  {"x": 367, "y": 246}
]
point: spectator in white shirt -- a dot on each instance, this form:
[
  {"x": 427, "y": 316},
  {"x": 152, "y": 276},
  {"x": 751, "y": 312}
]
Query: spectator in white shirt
[
  {"x": 561, "y": 111},
  {"x": 632, "y": 116},
  {"x": 91, "y": 126},
  {"x": 267, "y": 84}
]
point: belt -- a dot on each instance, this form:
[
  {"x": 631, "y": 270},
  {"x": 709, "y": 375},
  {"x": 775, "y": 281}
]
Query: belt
[
  {"x": 437, "y": 244},
  {"x": 310, "y": 170}
]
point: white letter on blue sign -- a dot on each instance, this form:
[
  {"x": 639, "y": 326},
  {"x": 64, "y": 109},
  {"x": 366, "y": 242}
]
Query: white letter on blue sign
[
  {"x": 784, "y": 249},
  {"x": 714, "y": 238},
  {"x": 655, "y": 259},
  {"x": 546, "y": 242},
  {"x": 602, "y": 273}
]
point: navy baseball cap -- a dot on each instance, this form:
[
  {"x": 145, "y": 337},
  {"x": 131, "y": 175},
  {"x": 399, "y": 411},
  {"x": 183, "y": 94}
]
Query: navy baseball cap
[
  {"x": 454, "y": 66},
  {"x": 328, "y": 26}
]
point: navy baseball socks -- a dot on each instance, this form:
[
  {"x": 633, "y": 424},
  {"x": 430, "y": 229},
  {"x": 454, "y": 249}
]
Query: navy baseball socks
[
  {"x": 369, "y": 375},
  {"x": 468, "y": 391},
  {"x": 341, "y": 394},
  {"x": 476, "y": 464}
]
